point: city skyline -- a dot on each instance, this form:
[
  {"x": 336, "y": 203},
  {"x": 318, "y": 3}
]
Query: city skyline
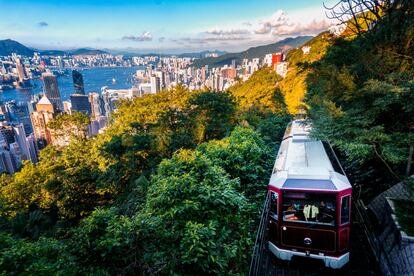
[{"x": 157, "y": 25}]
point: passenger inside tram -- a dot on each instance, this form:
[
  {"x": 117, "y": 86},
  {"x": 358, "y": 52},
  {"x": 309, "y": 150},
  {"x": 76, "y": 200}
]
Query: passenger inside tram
[{"x": 309, "y": 208}]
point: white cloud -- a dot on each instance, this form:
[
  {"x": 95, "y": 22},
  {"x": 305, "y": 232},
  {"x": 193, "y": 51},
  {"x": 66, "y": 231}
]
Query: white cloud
[
  {"x": 231, "y": 32},
  {"x": 266, "y": 30},
  {"x": 145, "y": 36},
  {"x": 279, "y": 24}
]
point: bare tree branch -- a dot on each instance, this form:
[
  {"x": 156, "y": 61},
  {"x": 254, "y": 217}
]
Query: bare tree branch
[{"x": 357, "y": 15}]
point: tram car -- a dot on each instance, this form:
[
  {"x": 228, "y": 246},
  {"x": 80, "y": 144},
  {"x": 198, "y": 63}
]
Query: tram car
[{"x": 310, "y": 200}]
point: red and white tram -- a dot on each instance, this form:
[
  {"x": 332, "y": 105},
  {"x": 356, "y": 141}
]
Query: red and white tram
[{"x": 310, "y": 201}]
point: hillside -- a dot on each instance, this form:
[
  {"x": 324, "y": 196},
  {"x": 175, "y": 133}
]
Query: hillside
[
  {"x": 254, "y": 52},
  {"x": 360, "y": 96},
  {"x": 8, "y": 46},
  {"x": 173, "y": 186},
  {"x": 294, "y": 86},
  {"x": 202, "y": 54}
]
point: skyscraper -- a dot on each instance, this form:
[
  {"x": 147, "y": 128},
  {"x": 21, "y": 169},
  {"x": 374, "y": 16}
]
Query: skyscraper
[
  {"x": 7, "y": 163},
  {"x": 97, "y": 105},
  {"x": 80, "y": 103},
  {"x": 51, "y": 90},
  {"x": 20, "y": 136},
  {"x": 21, "y": 70},
  {"x": 155, "y": 84},
  {"x": 31, "y": 141},
  {"x": 78, "y": 82},
  {"x": 44, "y": 113}
]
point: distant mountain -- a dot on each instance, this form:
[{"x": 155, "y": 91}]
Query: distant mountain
[
  {"x": 254, "y": 52},
  {"x": 8, "y": 46},
  {"x": 202, "y": 54},
  {"x": 87, "y": 51},
  {"x": 53, "y": 53}
]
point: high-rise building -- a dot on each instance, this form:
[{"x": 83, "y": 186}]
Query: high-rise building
[
  {"x": 97, "y": 105},
  {"x": 21, "y": 70},
  {"x": 44, "y": 113},
  {"x": 16, "y": 154},
  {"x": 51, "y": 90},
  {"x": 7, "y": 163},
  {"x": 276, "y": 58},
  {"x": 6, "y": 133},
  {"x": 80, "y": 103},
  {"x": 20, "y": 136},
  {"x": 161, "y": 76},
  {"x": 78, "y": 82},
  {"x": 31, "y": 141},
  {"x": 155, "y": 84}
]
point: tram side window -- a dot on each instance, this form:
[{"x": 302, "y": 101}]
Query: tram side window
[
  {"x": 273, "y": 205},
  {"x": 345, "y": 214}
]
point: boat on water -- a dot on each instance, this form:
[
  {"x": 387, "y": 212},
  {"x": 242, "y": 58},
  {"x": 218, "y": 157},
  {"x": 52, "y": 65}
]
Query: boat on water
[
  {"x": 5, "y": 87},
  {"x": 113, "y": 80}
]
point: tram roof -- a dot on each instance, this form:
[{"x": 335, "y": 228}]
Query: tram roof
[{"x": 302, "y": 162}]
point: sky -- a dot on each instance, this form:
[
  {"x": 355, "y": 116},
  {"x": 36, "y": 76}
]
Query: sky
[{"x": 159, "y": 26}]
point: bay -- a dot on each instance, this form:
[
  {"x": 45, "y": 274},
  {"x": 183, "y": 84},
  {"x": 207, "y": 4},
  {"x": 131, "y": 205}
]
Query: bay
[{"x": 93, "y": 78}]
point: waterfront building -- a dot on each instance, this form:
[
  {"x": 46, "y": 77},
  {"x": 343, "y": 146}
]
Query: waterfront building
[
  {"x": 51, "y": 90},
  {"x": 21, "y": 70},
  {"x": 80, "y": 103},
  {"x": 78, "y": 82}
]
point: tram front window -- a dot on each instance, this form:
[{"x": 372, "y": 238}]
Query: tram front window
[{"x": 313, "y": 208}]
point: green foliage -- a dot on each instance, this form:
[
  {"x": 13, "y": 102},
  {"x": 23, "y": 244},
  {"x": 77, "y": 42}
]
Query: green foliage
[
  {"x": 213, "y": 113},
  {"x": 254, "y": 52},
  {"x": 360, "y": 97},
  {"x": 43, "y": 257},
  {"x": 243, "y": 155},
  {"x": 260, "y": 90},
  {"x": 106, "y": 241},
  {"x": 294, "y": 85},
  {"x": 191, "y": 199},
  {"x": 405, "y": 219},
  {"x": 147, "y": 196},
  {"x": 74, "y": 126}
]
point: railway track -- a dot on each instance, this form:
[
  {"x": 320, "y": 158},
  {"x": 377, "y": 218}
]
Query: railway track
[{"x": 362, "y": 259}]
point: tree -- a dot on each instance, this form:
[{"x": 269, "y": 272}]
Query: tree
[
  {"x": 245, "y": 156},
  {"x": 260, "y": 90},
  {"x": 174, "y": 130},
  {"x": 213, "y": 113},
  {"x": 67, "y": 127},
  {"x": 43, "y": 257},
  {"x": 193, "y": 205},
  {"x": 358, "y": 15}
]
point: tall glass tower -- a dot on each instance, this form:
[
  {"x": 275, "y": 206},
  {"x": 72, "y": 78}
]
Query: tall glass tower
[
  {"x": 78, "y": 82},
  {"x": 51, "y": 90}
]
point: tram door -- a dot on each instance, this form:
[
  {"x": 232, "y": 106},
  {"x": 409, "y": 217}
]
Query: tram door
[
  {"x": 273, "y": 218},
  {"x": 344, "y": 221}
]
